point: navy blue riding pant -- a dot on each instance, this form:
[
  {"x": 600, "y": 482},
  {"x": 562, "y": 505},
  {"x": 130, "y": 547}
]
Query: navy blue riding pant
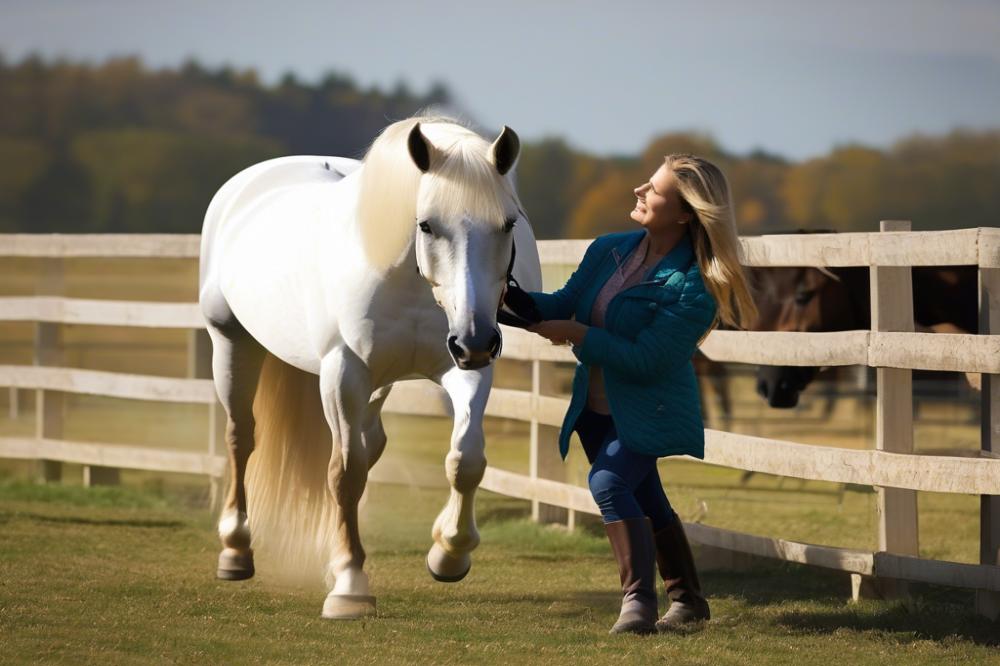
[{"x": 624, "y": 483}]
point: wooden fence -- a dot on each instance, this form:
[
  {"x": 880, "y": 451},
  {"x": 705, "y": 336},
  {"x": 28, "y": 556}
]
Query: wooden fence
[{"x": 891, "y": 346}]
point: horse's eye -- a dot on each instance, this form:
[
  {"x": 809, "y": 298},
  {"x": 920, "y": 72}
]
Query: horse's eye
[
  {"x": 508, "y": 224},
  {"x": 424, "y": 227},
  {"x": 803, "y": 297}
]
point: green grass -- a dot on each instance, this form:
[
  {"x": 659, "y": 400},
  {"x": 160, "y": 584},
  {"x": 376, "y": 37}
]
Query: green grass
[{"x": 126, "y": 576}]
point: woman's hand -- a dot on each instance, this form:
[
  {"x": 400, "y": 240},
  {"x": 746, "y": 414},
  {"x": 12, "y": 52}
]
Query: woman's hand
[{"x": 561, "y": 331}]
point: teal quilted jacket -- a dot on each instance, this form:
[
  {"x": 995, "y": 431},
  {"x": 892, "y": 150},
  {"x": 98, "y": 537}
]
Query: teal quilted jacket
[{"x": 651, "y": 331}]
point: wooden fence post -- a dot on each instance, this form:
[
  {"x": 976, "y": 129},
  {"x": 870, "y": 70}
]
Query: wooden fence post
[
  {"x": 545, "y": 461},
  {"x": 49, "y": 405},
  {"x": 892, "y": 310},
  {"x": 200, "y": 367},
  {"x": 988, "y": 603},
  {"x": 97, "y": 475}
]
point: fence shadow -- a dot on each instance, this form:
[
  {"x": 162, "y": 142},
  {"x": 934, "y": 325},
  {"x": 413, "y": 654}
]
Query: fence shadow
[
  {"x": 103, "y": 522},
  {"x": 932, "y": 613},
  {"x": 924, "y": 622}
]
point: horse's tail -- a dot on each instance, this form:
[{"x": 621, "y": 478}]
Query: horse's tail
[{"x": 291, "y": 510}]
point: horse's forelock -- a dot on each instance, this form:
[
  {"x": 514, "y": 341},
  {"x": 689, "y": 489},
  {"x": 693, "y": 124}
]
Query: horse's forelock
[
  {"x": 464, "y": 183},
  {"x": 468, "y": 186}
]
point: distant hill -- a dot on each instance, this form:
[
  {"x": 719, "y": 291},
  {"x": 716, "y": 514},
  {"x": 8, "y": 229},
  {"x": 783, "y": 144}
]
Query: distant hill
[{"x": 118, "y": 147}]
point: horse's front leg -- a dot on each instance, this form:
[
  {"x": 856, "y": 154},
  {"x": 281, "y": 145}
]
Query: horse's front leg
[
  {"x": 454, "y": 533},
  {"x": 345, "y": 384}
]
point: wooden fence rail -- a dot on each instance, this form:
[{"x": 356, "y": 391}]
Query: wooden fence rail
[{"x": 891, "y": 346}]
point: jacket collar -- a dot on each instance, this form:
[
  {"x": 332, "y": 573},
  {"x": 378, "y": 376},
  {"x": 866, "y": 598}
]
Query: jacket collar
[{"x": 678, "y": 257}]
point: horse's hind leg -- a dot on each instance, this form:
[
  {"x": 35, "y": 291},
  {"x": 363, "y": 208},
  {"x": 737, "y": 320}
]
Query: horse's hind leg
[
  {"x": 236, "y": 364},
  {"x": 345, "y": 385}
]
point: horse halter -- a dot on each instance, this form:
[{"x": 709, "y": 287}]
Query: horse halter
[
  {"x": 510, "y": 316},
  {"x": 504, "y": 317}
]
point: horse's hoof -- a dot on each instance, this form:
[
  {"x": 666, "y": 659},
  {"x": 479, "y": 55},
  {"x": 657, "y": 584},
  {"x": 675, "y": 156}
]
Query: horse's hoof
[
  {"x": 348, "y": 606},
  {"x": 235, "y": 564},
  {"x": 446, "y": 568}
]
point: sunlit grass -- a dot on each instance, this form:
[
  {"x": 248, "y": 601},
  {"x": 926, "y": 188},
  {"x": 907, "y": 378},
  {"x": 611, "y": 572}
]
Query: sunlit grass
[
  {"x": 119, "y": 579},
  {"x": 125, "y": 574}
]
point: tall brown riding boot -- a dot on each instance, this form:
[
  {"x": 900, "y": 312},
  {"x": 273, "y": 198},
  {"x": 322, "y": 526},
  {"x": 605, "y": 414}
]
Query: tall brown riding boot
[
  {"x": 632, "y": 542},
  {"x": 676, "y": 565}
]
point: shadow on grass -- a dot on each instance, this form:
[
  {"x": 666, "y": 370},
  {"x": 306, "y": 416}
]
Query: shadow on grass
[
  {"x": 935, "y": 622},
  {"x": 107, "y": 522},
  {"x": 766, "y": 584},
  {"x": 932, "y": 613},
  {"x": 937, "y": 615}
]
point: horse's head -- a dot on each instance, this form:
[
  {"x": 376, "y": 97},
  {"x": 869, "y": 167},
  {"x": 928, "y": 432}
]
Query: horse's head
[
  {"x": 465, "y": 216},
  {"x": 804, "y": 300}
]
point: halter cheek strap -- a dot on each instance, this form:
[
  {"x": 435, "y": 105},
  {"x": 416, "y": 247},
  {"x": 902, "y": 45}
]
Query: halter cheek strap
[{"x": 504, "y": 316}]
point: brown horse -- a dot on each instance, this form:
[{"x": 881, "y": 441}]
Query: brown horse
[{"x": 809, "y": 299}]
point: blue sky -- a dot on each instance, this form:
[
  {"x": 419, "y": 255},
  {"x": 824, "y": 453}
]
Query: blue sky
[{"x": 795, "y": 78}]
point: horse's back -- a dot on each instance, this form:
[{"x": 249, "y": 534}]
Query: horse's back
[
  {"x": 260, "y": 244},
  {"x": 246, "y": 188}
]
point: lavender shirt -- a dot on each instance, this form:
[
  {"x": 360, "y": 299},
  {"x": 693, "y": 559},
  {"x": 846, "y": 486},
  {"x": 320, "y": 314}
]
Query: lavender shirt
[{"x": 627, "y": 274}]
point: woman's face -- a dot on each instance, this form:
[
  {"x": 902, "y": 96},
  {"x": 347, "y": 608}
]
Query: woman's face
[{"x": 658, "y": 204}]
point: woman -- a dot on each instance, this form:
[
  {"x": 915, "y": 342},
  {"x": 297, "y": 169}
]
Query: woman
[{"x": 642, "y": 301}]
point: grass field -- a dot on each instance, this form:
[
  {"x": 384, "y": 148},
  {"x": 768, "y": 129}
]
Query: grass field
[
  {"x": 126, "y": 574},
  {"x": 115, "y": 575}
]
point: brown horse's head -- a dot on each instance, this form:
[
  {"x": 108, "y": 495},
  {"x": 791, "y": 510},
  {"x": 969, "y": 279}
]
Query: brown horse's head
[{"x": 802, "y": 299}]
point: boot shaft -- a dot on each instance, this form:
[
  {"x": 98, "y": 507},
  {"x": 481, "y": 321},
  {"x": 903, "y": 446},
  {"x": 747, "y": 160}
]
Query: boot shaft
[
  {"x": 632, "y": 545},
  {"x": 676, "y": 564}
]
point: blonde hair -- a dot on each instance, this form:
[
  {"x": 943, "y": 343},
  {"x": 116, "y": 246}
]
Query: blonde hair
[{"x": 705, "y": 191}]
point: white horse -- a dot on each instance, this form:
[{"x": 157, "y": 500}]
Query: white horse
[{"x": 323, "y": 281}]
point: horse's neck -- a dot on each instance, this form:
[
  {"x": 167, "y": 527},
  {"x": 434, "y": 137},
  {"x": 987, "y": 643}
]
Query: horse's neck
[
  {"x": 856, "y": 281},
  {"x": 946, "y": 294},
  {"x": 403, "y": 278}
]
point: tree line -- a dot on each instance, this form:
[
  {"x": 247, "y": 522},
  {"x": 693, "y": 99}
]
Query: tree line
[{"x": 118, "y": 147}]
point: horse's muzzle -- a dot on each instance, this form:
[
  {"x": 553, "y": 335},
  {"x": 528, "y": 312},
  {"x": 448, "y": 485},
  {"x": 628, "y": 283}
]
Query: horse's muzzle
[
  {"x": 782, "y": 385},
  {"x": 468, "y": 357}
]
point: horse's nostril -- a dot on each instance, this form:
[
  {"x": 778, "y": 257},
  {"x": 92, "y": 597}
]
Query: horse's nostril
[
  {"x": 457, "y": 351},
  {"x": 494, "y": 347}
]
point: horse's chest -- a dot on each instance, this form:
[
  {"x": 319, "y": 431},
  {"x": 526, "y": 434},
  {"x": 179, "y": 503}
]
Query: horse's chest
[{"x": 402, "y": 340}]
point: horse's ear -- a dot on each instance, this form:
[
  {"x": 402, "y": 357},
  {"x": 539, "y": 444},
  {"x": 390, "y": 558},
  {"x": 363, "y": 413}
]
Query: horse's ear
[
  {"x": 420, "y": 150},
  {"x": 504, "y": 151}
]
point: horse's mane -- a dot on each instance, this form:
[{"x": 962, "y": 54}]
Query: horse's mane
[{"x": 462, "y": 179}]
